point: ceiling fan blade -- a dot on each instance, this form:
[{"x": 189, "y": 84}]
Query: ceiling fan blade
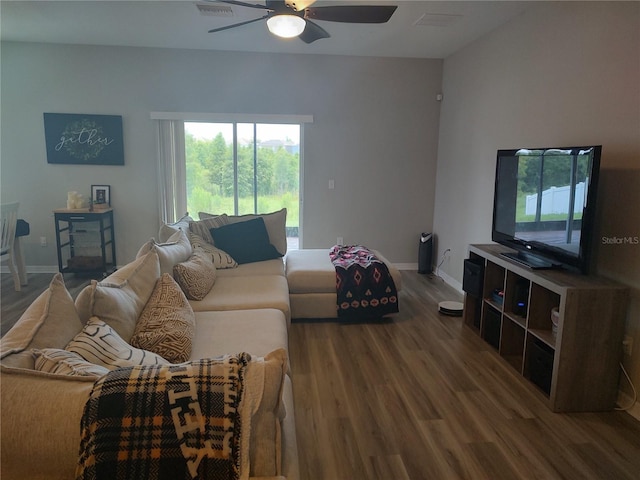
[
  {"x": 312, "y": 32},
  {"x": 240, "y": 4},
  {"x": 238, "y": 24},
  {"x": 352, "y": 13}
]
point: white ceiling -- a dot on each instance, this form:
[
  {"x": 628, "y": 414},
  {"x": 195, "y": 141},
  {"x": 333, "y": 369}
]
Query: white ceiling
[{"x": 179, "y": 24}]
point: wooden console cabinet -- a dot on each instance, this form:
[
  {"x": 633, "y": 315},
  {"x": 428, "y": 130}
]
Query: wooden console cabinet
[{"x": 577, "y": 367}]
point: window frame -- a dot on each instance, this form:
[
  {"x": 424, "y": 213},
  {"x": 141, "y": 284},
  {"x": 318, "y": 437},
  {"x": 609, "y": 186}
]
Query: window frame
[{"x": 172, "y": 162}]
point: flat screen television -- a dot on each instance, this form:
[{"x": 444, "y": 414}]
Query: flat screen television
[{"x": 544, "y": 205}]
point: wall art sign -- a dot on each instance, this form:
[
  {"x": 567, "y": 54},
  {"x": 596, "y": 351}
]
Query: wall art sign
[{"x": 80, "y": 139}]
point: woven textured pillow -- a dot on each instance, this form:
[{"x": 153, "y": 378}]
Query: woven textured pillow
[
  {"x": 100, "y": 344},
  {"x": 196, "y": 276},
  {"x": 203, "y": 226},
  {"x": 220, "y": 258},
  {"x": 167, "y": 324},
  {"x": 62, "y": 362}
]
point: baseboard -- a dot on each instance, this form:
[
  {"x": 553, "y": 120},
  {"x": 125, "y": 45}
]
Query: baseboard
[
  {"x": 406, "y": 266},
  {"x": 452, "y": 282},
  {"x": 34, "y": 269},
  {"x": 624, "y": 400}
]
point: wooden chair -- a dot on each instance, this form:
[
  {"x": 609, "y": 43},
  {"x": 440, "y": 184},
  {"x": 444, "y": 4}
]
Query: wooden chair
[{"x": 8, "y": 221}]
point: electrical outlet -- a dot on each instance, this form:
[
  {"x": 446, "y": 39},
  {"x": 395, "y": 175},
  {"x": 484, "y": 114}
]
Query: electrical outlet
[
  {"x": 627, "y": 345},
  {"x": 43, "y": 241},
  {"x": 340, "y": 241}
]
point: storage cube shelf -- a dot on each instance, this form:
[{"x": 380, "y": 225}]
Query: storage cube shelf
[{"x": 577, "y": 368}]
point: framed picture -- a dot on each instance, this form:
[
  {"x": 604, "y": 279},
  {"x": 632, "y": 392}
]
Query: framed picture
[
  {"x": 101, "y": 195},
  {"x": 81, "y": 139}
]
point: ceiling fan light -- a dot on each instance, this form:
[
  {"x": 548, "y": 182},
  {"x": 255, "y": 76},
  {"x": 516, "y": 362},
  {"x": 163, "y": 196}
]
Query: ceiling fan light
[{"x": 286, "y": 25}]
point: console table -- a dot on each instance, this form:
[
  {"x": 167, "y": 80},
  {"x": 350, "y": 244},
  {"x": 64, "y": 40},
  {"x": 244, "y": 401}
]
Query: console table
[
  {"x": 575, "y": 365},
  {"x": 85, "y": 241}
]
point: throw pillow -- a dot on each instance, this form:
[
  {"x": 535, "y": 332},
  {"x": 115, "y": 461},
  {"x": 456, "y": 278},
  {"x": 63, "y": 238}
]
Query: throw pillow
[
  {"x": 266, "y": 433},
  {"x": 168, "y": 229},
  {"x": 276, "y": 223},
  {"x": 100, "y": 344},
  {"x": 203, "y": 226},
  {"x": 220, "y": 258},
  {"x": 167, "y": 323},
  {"x": 196, "y": 276},
  {"x": 246, "y": 242},
  {"x": 176, "y": 249},
  {"x": 62, "y": 362},
  {"x": 50, "y": 321},
  {"x": 118, "y": 300}
]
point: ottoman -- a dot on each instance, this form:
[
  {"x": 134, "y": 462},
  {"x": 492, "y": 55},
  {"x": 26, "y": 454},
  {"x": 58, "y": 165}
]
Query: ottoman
[{"x": 312, "y": 282}]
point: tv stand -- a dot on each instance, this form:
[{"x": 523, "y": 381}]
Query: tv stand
[
  {"x": 575, "y": 365},
  {"x": 531, "y": 261}
]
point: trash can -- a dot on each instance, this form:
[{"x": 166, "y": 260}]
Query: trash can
[{"x": 425, "y": 253}]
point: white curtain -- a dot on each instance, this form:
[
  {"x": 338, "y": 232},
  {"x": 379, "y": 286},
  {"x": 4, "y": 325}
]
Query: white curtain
[{"x": 171, "y": 170}]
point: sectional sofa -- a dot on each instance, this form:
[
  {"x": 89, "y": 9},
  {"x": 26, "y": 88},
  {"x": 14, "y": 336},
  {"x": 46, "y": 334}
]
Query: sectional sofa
[{"x": 180, "y": 301}]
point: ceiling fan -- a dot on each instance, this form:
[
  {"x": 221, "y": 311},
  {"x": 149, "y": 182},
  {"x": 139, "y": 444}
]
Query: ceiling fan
[{"x": 292, "y": 18}]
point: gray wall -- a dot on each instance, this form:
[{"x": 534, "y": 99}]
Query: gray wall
[
  {"x": 561, "y": 74},
  {"x": 375, "y": 132}
]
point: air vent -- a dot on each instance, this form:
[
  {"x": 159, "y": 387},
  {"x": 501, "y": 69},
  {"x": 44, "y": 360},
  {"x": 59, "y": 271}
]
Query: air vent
[
  {"x": 437, "y": 20},
  {"x": 213, "y": 10}
]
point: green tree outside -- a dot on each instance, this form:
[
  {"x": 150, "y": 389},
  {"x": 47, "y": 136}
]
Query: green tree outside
[{"x": 210, "y": 178}]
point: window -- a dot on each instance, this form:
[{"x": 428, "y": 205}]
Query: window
[
  {"x": 231, "y": 163},
  {"x": 241, "y": 168}
]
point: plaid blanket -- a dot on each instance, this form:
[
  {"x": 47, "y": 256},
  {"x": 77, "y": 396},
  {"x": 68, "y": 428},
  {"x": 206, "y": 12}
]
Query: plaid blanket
[
  {"x": 165, "y": 422},
  {"x": 364, "y": 286}
]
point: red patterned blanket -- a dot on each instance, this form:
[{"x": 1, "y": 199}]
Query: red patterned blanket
[{"x": 364, "y": 285}]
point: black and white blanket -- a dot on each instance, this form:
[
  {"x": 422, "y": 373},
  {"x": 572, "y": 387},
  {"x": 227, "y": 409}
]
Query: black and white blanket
[
  {"x": 168, "y": 422},
  {"x": 364, "y": 286}
]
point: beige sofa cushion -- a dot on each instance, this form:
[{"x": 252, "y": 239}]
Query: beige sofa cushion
[
  {"x": 35, "y": 446},
  {"x": 49, "y": 322},
  {"x": 275, "y": 223},
  {"x": 196, "y": 276},
  {"x": 266, "y": 267},
  {"x": 118, "y": 300},
  {"x": 313, "y": 305},
  {"x": 246, "y": 293},
  {"x": 224, "y": 332},
  {"x": 100, "y": 344},
  {"x": 167, "y": 324},
  {"x": 266, "y": 429},
  {"x": 176, "y": 249},
  {"x": 311, "y": 271}
]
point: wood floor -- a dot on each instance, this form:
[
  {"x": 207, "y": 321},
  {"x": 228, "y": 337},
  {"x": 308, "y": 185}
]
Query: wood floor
[{"x": 422, "y": 397}]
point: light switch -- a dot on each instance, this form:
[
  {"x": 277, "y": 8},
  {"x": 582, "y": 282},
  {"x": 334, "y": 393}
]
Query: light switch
[{"x": 332, "y": 184}]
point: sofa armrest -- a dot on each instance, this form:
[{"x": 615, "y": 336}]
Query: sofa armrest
[{"x": 41, "y": 413}]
